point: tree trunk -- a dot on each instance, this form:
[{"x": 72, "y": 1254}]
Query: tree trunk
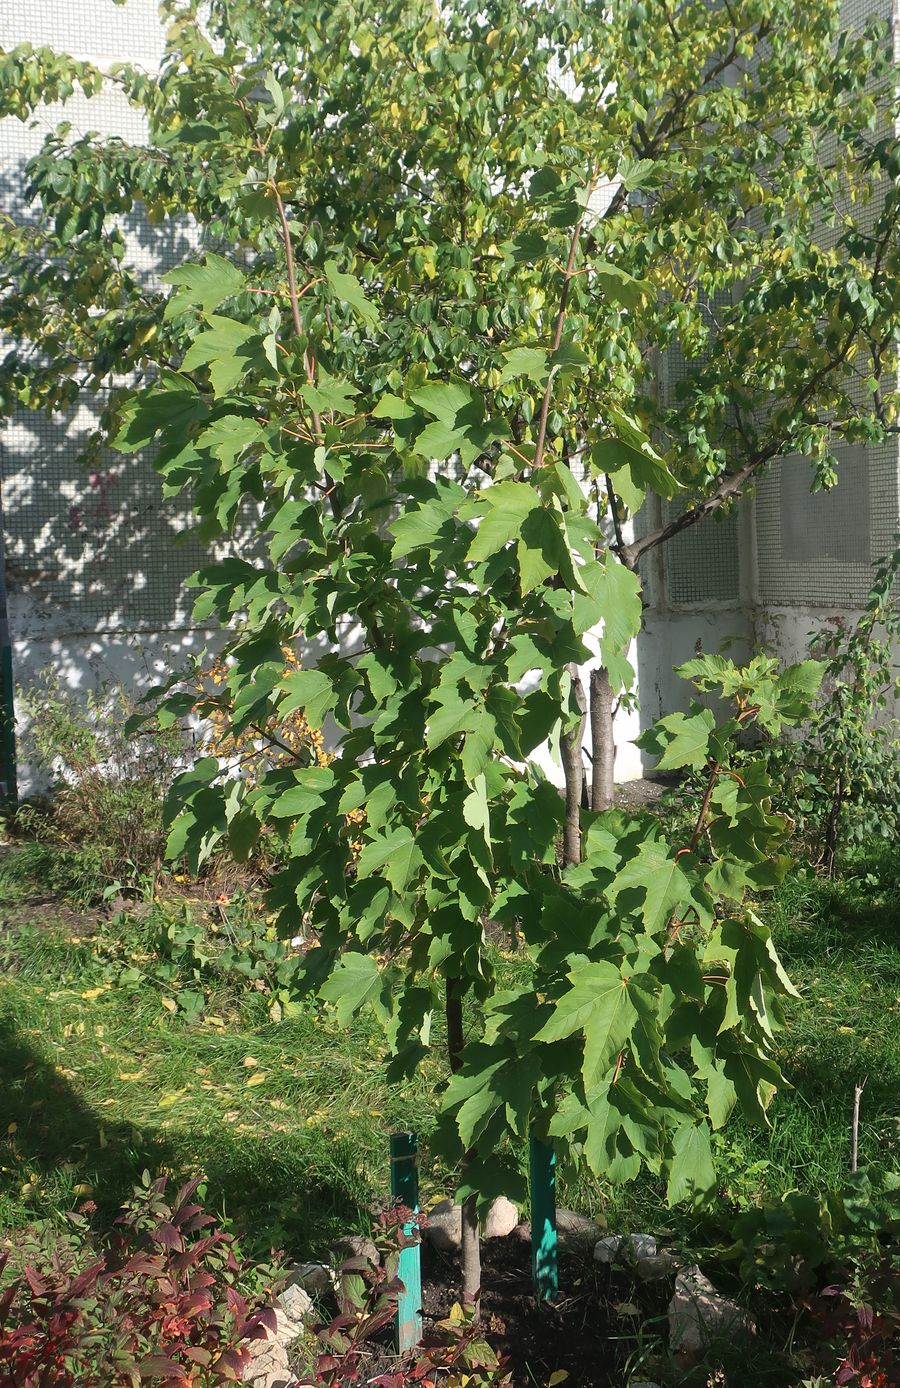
[
  {"x": 470, "y": 1250},
  {"x": 603, "y": 747},
  {"x": 570, "y": 747},
  {"x": 829, "y": 849}
]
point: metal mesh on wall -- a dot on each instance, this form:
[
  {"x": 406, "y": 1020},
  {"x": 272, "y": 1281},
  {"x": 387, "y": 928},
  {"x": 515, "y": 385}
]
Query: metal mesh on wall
[
  {"x": 100, "y": 30},
  {"x": 702, "y": 564},
  {"x": 817, "y": 548},
  {"x": 93, "y": 547}
]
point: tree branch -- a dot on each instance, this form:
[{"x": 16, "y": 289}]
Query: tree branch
[{"x": 568, "y": 276}]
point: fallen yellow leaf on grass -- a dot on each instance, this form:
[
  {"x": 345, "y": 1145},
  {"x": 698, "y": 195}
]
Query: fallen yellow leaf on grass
[
  {"x": 249, "y": 1061},
  {"x": 12, "y": 1128},
  {"x": 169, "y": 1004},
  {"x": 259, "y": 1078},
  {"x": 95, "y": 992},
  {"x": 132, "y": 1075},
  {"x": 168, "y": 1100},
  {"x": 83, "y": 1189},
  {"x": 558, "y": 1376}
]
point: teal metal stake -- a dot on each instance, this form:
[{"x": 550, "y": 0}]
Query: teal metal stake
[
  {"x": 405, "y": 1188},
  {"x": 544, "y": 1263}
]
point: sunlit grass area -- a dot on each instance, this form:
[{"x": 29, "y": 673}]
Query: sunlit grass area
[{"x": 107, "y": 1071}]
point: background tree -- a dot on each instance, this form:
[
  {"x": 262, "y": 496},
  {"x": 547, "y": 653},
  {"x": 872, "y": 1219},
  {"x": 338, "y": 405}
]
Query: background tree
[
  {"x": 747, "y": 170},
  {"x": 417, "y": 277}
]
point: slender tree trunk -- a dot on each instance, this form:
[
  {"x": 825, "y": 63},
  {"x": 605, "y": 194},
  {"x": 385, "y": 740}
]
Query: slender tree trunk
[
  {"x": 603, "y": 747},
  {"x": 570, "y": 747},
  {"x": 829, "y": 850},
  {"x": 470, "y": 1251}
]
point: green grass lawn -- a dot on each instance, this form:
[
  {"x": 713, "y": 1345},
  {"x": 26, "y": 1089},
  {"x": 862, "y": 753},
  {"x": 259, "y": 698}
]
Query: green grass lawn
[{"x": 288, "y": 1120}]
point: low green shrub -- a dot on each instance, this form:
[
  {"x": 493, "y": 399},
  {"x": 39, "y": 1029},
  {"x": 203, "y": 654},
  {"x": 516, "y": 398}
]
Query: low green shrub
[
  {"x": 101, "y": 816},
  {"x": 189, "y": 951},
  {"x": 800, "y": 1241},
  {"x": 841, "y": 780}
]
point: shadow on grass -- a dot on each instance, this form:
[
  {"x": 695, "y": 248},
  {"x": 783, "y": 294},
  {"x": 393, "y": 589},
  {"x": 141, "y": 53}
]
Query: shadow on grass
[
  {"x": 274, "y": 1197},
  {"x": 857, "y": 912}
]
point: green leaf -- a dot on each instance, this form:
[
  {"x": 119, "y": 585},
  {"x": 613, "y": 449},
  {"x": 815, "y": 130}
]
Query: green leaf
[
  {"x": 619, "y": 286},
  {"x": 311, "y": 786},
  {"x": 645, "y": 468},
  {"x": 542, "y": 550},
  {"x": 279, "y": 101},
  {"x": 692, "y": 1176},
  {"x": 395, "y": 854},
  {"x": 657, "y": 878},
  {"x": 525, "y": 249},
  {"x": 223, "y": 348},
  {"x": 681, "y": 739},
  {"x": 525, "y": 361},
  {"x": 508, "y": 504},
  {"x": 721, "y": 1096},
  {"x": 476, "y": 812},
  {"x": 613, "y": 597},
  {"x": 229, "y": 436},
  {"x": 597, "y": 1006},
  {"x": 348, "y": 288},
  {"x": 430, "y": 526},
  {"x": 330, "y": 394},
  {"x": 447, "y": 400},
  {"x": 172, "y": 407},
  {"x": 203, "y": 287},
  {"x": 440, "y": 440},
  {"x": 357, "y": 980},
  {"x": 310, "y": 691}
]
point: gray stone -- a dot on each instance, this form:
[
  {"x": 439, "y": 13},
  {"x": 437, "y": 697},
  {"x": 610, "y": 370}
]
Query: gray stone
[
  {"x": 294, "y": 1304},
  {"x": 623, "y": 1248},
  {"x": 575, "y": 1230},
  {"x": 315, "y": 1278},
  {"x": 654, "y": 1269},
  {"x": 570, "y": 1222},
  {"x": 268, "y": 1366},
  {"x": 444, "y": 1230},
  {"x": 502, "y": 1218},
  {"x": 698, "y": 1314},
  {"x": 355, "y": 1246}
]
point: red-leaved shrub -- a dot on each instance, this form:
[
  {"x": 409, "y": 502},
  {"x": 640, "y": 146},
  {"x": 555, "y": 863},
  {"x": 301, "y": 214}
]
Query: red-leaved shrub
[{"x": 158, "y": 1305}]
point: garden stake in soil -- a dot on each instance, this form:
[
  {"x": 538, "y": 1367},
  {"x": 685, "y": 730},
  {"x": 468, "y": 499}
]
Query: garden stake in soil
[
  {"x": 405, "y": 1188},
  {"x": 544, "y": 1262}
]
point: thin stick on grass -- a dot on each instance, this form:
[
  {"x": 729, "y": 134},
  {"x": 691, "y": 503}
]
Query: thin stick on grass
[{"x": 854, "y": 1126}]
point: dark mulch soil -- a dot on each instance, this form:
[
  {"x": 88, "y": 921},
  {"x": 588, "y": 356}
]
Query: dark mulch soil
[{"x": 592, "y": 1332}]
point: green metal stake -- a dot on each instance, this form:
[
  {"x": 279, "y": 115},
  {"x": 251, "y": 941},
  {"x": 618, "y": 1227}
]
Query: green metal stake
[
  {"x": 405, "y": 1188},
  {"x": 544, "y": 1263}
]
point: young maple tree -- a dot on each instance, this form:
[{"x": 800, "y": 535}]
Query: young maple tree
[{"x": 423, "y": 346}]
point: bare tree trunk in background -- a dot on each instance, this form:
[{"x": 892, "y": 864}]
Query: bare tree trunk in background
[
  {"x": 570, "y": 746},
  {"x": 603, "y": 746},
  {"x": 470, "y": 1251}
]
